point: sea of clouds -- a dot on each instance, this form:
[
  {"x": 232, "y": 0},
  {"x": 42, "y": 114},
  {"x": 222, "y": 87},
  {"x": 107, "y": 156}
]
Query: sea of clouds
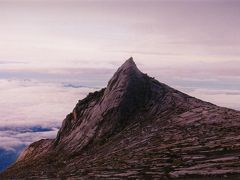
[{"x": 32, "y": 110}]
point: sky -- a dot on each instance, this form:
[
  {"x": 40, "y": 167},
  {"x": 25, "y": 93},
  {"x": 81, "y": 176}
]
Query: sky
[{"x": 54, "y": 52}]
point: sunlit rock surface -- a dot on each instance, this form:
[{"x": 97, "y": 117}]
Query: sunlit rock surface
[{"x": 137, "y": 127}]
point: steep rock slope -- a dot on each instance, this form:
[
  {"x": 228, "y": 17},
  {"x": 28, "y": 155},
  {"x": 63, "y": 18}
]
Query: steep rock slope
[{"x": 137, "y": 127}]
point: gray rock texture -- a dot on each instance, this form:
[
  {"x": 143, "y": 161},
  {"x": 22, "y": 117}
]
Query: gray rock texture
[{"x": 137, "y": 128}]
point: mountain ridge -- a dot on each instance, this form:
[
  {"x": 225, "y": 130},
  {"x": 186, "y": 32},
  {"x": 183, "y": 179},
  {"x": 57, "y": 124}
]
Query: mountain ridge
[{"x": 136, "y": 127}]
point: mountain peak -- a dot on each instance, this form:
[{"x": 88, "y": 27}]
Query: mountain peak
[
  {"x": 129, "y": 64},
  {"x": 136, "y": 127},
  {"x": 125, "y": 74}
]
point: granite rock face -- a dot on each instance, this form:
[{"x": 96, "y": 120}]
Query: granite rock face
[{"x": 137, "y": 127}]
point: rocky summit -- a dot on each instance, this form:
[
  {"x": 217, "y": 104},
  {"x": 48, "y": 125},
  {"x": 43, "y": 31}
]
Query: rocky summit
[{"x": 137, "y": 128}]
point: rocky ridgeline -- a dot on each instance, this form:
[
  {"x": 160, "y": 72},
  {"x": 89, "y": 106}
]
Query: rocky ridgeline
[{"x": 137, "y": 127}]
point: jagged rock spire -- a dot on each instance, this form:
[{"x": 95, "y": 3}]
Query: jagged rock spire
[
  {"x": 127, "y": 73},
  {"x": 129, "y": 64},
  {"x": 124, "y": 95}
]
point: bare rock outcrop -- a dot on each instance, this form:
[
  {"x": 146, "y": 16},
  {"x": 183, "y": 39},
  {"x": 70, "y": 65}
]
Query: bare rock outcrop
[{"x": 137, "y": 127}]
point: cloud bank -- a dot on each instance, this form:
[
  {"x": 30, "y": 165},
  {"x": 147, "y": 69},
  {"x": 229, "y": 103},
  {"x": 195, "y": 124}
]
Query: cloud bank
[
  {"x": 32, "y": 110},
  {"x": 37, "y": 103}
]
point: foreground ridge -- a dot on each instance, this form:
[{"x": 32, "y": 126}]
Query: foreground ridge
[{"x": 137, "y": 127}]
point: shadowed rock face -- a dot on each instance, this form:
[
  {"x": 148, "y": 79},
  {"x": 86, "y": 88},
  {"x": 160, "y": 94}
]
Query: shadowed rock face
[
  {"x": 137, "y": 127},
  {"x": 106, "y": 112}
]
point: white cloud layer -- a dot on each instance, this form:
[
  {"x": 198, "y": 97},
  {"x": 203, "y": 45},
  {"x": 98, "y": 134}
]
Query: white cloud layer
[
  {"x": 221, "y": 97},
  {"x": 12, "y": 139},
  {"x": 32, "y": 110},
  {"x": 28, "y": 102}
]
